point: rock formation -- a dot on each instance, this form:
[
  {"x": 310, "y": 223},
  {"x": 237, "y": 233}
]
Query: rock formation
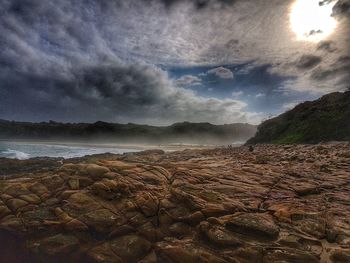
[{"x": 271, "y": 204}]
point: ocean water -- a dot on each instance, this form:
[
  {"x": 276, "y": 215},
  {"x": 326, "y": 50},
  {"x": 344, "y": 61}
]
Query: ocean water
[{"x": 22, "y": 151}]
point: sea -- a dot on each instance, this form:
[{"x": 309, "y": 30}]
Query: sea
[{"x": 27, "y": 150}]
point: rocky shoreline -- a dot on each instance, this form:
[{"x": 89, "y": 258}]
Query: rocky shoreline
[{"x": 271, "y": 204}]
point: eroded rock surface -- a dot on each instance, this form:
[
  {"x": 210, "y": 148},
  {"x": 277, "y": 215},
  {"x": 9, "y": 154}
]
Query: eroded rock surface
[{"x": 269, "y": 204}]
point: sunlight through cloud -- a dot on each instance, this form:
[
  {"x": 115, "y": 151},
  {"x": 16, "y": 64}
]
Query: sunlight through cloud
[{"x": 311, "y": 20}]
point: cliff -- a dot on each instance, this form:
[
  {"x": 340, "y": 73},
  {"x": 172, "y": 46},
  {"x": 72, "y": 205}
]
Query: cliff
[{"x": 322, "y": 120}]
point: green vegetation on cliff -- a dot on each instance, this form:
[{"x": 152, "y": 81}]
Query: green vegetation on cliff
[{"x": 322, "y": 120}]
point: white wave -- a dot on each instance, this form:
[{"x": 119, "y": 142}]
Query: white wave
[
  {"x": 23, "y": 151},
  {"x": 16, "y": 154}
]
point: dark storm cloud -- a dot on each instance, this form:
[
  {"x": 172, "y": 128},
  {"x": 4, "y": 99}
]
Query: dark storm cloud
[
  {"x": 91, "y": 59},
  {"x": 69, "y": 61},
  {"x": 308, "y": 61},
  {"x": 199, "y": 4},
  {"x": 111, "y": 92},
  {"x": 339, "y": 71}
]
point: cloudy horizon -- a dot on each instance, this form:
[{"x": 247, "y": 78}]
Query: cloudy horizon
[{"x": 164, "y": 61}]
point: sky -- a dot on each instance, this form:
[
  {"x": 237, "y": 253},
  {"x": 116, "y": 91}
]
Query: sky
[{"x": 164, "y": 61}]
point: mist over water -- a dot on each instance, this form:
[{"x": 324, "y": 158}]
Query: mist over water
[{"x": 22, "y": 150}]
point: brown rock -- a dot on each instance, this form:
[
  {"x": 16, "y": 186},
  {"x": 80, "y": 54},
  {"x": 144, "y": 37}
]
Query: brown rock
[
  {"x": 178, "y": 254},
  {"x": 180, "y": 229},
  {"x": 4, "y": 211},
  {"x": 12, "y": 223},
  {"x": 39, "y": 189},
  {"x": 79, "y": 203},
  {"x": 340, "y": 256},
  {"x": 306, "y": 189},
  {"x": 106, "y": 189},
  {"x": 31, "y": 198},
  {"x": 15, "y": 204},
  {"x": 214, "y": 210},
  {"x": 254, "y": 225},
  {"x": 194, "y": 218},
  {"x": 100, "y": 220},
  {"x": 95, "y": 171},
  {"x": 56, "y": 245},
  {"x": 53, "y": 182},
  {"x": 219, "y": 236},
  {"x": 130, "y": 248},
  {"x": 147, "y": 203},
  {"x": 289, "y": 255},
  {"x": 210, "y": 205},
  {"x": 103, "y": 254},
  {"x": 73, "y": 183},
  {"x": 247, "y": 255}
]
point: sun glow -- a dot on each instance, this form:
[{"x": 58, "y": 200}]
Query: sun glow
[{"x": 311, "y": 20}]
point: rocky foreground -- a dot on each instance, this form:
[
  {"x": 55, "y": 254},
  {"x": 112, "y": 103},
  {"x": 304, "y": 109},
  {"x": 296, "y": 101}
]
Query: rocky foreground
[{"x": 272, "y": 204}]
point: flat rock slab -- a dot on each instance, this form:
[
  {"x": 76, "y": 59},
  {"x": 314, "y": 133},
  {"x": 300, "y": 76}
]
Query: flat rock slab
[{"x": 255, "y": 225}]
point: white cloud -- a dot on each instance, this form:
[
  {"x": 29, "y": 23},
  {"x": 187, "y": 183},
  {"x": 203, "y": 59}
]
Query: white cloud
[
  {"x": 259, "y": 95},
  {"x": 221, "y": 72},
  {"x": 188, "y": 80}
]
